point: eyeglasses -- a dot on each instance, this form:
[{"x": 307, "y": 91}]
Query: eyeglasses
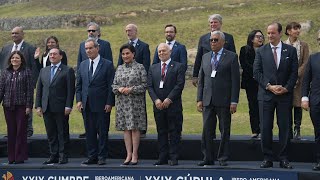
[
  {"x": 214, "y": 40},
  {"x": 91, "y": 30},
  {"x": 259, "y": 36}
]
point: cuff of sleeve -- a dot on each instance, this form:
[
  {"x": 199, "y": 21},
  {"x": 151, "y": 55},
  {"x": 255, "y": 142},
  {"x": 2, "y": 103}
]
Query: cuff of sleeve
[
  {"x": 67, "y": 108},
  {"x": 233, "y": 103},
  {"x": 304, "y": 98}
]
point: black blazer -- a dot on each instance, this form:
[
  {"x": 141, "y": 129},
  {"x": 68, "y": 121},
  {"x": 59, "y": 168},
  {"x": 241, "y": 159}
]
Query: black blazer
[
  {"x": 265, "y": 71},
  {"x": 178, "y": 53},
  {"x": 172, "y": 87},
  {"x": 311, "y": 80},
  {"x": 247, "y": 56},
  {"x": 204, "y": 47},
  {"x": 64, "y": 60},
  {"x": 224, "y": 88},
  {"x": 141, "y": 56},
  {"x": 57, "y": 94}
]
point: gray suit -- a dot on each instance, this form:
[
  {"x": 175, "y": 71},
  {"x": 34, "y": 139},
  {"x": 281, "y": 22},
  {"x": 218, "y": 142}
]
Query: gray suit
[
  {"x": 216, "y": 94},
  {"x": 53, "y": 97}
]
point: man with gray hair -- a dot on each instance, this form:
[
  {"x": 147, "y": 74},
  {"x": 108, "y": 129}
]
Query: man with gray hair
[
  {"x": 215, "y": 23},
  {"x": 105, "y": 52},
  {"x": 218, "y": 95}
]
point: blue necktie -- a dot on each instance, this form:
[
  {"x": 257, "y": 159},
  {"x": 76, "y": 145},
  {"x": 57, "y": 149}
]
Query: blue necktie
[{"x": 52, "y": 72}]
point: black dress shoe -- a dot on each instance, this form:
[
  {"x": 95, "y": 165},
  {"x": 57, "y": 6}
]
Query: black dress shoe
[
  {"x": 134, "y": 163},
  {"x": 159, "y": 162},
  {"x": 205, "y": 163},
  {"x": 51, "y": 160},
  {"x": 173, "y": 163},
  {"x": 223, "y": 163},
  {"x": 285, "y": 164},
  {"x": 90, "y": 161},
  {"x": 316, "y": 167},
  {"x": 10, "y": 162},
  {"x": 63, "y": 160},
  {"x": 18, "y": 162},
  {"x": 101, "y": 162},
  {"x": 126, "y": 163},
  {"x": 83, "y": 135},
  {"x": 266, "y": 164}
]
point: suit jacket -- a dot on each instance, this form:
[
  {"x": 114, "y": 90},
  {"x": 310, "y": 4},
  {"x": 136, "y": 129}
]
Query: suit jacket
[
  {"x": 204, "y": 47},
  {"x": 57, "y": 94},
  {"x": 265, "y": 71},
  {"x": 247, "y": 56},
  {"x": 96, "y": 92},
  {"x": 178, "y": 53},
  {"x": 28, "y": 51},
  {"x": 311, "y": 80},
  {"x": 172, "y": 87},
  {"x": 64, "y": 60},
  {"x": 224, "y": 88},
  {"x": 24, "y": 88},
  {"x": 104, "y": 51},
  {"x": 141, "y": 56}
]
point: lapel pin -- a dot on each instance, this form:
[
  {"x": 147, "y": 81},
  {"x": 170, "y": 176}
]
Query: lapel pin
[{"x": 285, "y": 50}]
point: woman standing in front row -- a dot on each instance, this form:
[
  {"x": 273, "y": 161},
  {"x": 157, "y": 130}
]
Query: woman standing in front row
[
  {"x": 247, "y": 56},
  {"x": 129, "y": 86},
  {"x": 16, "y": 92},
  {"x": 293, "y": 32}
]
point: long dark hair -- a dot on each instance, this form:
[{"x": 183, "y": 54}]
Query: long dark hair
[
  {"x": 23, "y": 60},
  {"x": 55, "y": 39},
  {"x": 251, "y": 37}
]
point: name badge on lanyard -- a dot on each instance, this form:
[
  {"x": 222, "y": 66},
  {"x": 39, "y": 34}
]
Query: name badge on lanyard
[
  {"x": 161, "y": 84},
  {"x": 213, "y": 73}
]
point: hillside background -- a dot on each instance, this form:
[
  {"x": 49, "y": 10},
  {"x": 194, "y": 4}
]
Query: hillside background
[{"x": 67, "y": 19}]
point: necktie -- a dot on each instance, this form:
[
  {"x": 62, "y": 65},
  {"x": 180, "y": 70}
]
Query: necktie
[
  {"x": 132, "y": 43},
  {"x": 52, "y": 72},
  {"x": 91, "y": 69},
  {"x": 275, "y": 57},
  {"x": 16, "y": 47},
  {"x": 215, "y": 61},
  {"x": 169, "y": 43},
  {"x": 163, "y": 71}
]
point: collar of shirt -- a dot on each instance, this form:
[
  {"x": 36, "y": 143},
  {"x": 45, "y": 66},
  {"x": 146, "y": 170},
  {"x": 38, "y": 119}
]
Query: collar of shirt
[
  {"x": 278, "y": 50},
  {"x": 134, "y": 42},
  {"x": 57, "y": 66},
  {"x": 171, "y": 43},
  {"x": 95, "y": 62},
  {"x": 218, "y": 54},
  {"x": 19, "y": 46}
]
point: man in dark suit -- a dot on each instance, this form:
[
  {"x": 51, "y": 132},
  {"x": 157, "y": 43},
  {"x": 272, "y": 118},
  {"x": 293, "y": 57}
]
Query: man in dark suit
[
  {"x": 218, "y": 95},
  {"x": 178, "y": 51},
  {"x": 215, "y": 23},
  {"x": 276, "y": 70},
  {"x": 105, "y": 52},
  {"x": 311, "y": 98},
  {"x": 28, "y": 52},
  {"x": 142, "y": 54},
  {"x": 54, "y": 100},
  {"x": 165, "y": 84},
  {"x": 95, "y": 100}
]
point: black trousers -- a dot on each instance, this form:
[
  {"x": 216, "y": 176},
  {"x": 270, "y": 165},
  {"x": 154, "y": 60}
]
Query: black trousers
[
  {"x": 252, "y": 92},
  {"x": 315, "y": 118},
  {"x": 169, "y": 127},
  {"x": 266, "y": 110},
  {"x": 210, "y": 114}
]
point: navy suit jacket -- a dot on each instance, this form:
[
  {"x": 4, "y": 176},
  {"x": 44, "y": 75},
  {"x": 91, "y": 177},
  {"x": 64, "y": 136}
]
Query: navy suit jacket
[
  {"x": 28, "y": 52},
  {"x": 141, "y": 56},
  {"x": 311, "y": 80},
  {"x": 57, "y": 94},
  {"x": 104, "y": 51},
  {"x": 178, "y": 53},
  {"x": 172, "y": 87},
  {"x": 265, "y": 71},
  {"x": 98, "y": 92},
  {"x": 204, "y": 47},
  {"x": 224, "y": 88}
]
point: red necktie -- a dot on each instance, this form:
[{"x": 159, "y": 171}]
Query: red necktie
[
  {"x": 163, "y": 71},
  {"x": 275, "y": 55}
]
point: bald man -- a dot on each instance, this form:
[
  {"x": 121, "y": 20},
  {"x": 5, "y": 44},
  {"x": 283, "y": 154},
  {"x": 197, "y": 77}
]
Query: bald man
[{"x": 165, "y": 84}]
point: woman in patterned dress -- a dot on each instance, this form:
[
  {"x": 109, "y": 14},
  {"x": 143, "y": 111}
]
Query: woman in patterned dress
[{"x": 129, "y": 86}]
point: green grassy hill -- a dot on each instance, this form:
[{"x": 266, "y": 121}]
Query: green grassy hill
[{"x": 190, "y": 17}]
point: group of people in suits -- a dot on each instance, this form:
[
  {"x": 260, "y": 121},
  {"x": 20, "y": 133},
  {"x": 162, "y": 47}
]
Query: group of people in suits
[{"x": 272, "y": 74}]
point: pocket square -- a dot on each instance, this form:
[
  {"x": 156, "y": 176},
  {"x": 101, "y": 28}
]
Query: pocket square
[{"x": 285, "y": 50}]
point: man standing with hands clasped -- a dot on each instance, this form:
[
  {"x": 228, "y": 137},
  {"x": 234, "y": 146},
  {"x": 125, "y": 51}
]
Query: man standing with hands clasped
[
  {"x": 218, "y": 95},
  {"x": 276, "y": 70}
]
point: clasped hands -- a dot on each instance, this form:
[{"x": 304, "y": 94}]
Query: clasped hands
[
  {"x": 125, "y": 90},
  {"x": 277, "y": 89},
  {"x": 162, "y": 105}
]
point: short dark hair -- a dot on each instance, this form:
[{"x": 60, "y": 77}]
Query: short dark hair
[
  {"x": 23, "y": 60},
  {"x": 60, "y": 51},
  {"x": 292, "y": 25},
  {"x": 278, "y": 25},
  {"x": 251, "y": 37},
  {"x": 171, "y": 25},
  {"x": 128, "y": 46}
]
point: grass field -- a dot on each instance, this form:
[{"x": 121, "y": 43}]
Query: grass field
[{"x": 240, "y": 17}]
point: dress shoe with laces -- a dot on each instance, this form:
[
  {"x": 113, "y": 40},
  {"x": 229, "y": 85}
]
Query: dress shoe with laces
[
  {"x": 159, "y": 162},
  {"x": 316, "y": 167},
  {"x": 205, "y": 163},
  {"x": 266, "y": 164},
  {"x": 285, "y": 164},
  {"x": 223, "y": 163},
  {"x": 63, "y": 160},
  {"x": 90, "y": 161},
  {"x": 101, "y": 162},
  {"x": 51, "y": 160}
]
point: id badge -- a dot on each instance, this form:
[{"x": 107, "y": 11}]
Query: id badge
[
  {"x": 213, "y": 73},
  {"x": 161, "y": 85}
]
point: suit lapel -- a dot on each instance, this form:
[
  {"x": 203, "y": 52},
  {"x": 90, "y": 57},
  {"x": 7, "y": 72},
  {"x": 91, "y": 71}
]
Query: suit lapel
[
  {"x": 270, "y": 54},
  {"x": 56, "y": 74},
  {"x": 97, "y": 69},
  {"x": 169, "y": 69}
]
